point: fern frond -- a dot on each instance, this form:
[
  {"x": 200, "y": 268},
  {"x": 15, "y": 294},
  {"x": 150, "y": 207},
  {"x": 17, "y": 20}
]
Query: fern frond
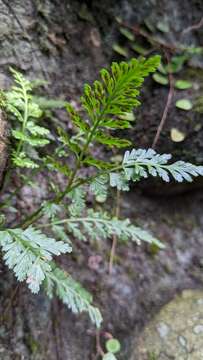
[
  {"x": 36, "y": 129},
  {"x": 60, "y": 233},
  {"x": 98, "y": 225},
  {"x": 117, "y": 91},
  {"x": 72, "y": 294},
  {"x": 51, "y": 209},
  {"x": 108, "y": 100},
  {"x": 19, "y": 102},
  {"x": 142, "y": 163},
  {"x": 20, "y": 160},
  {"x": 119, "y": 181},
  {"x": 77, "y": 197},
  {"x": 97, "y": 163},
  {"x": 28, "y": 253},
  {"x": 99, "y": 186}
]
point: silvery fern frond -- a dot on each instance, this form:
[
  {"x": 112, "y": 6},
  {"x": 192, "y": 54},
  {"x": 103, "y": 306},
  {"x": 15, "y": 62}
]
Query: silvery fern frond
[
  {"x": 27, "y": 133},
  {"x": 142, "y": 163},
  {"x": 29, "y": 253},
  {"x": 99, "y": 226},
  {"x": 71, "y": 293}
]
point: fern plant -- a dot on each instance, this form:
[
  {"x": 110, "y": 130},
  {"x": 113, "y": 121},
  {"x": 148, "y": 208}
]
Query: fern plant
[
  {"x": 27, "y": 133},
  {"x": 27, "y": 248}
]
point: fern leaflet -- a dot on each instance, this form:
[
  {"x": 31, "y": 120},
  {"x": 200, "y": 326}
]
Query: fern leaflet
[
  {"x": 141, "y": 163},
  {"x": 98, "y": 225}
]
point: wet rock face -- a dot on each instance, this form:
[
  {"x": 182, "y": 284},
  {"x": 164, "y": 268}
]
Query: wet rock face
[{"x": 176, "y": 332}]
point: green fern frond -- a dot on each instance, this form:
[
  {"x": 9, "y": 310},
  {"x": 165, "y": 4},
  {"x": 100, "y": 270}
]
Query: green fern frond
[
  {"x": 117, "y": 93},
  {"x": 36, "y": 129},
  {"x": 141, "y": 163},
  {"x": 111, "y": 98},
  {"x": 118, "y": 180},
  {"x": 20, "y": 160},
  {"x": 19, "y": 102}
]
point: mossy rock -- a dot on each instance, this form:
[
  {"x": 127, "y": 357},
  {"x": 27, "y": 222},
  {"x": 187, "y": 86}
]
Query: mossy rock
[{"x": 176, "y": 332}]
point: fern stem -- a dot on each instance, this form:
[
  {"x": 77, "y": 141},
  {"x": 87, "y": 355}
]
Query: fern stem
[
  {"x": 25, "y": 118},
  {"x": 79, "y": 161},
  {"x": 114, "y": 241},
  {"x": 36, "y": 215}
]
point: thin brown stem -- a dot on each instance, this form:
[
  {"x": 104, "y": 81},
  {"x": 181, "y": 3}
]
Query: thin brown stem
[
  {"x": 193, "y": 27},
  {"x": 99, "y": 349},
  {"x": 166, "y": 110},
  {"x": 114, "y": 240}
]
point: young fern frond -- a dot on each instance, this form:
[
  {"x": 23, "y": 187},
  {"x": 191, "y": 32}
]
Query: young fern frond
[
  {"x": 142, "y": 163},
  {"x": 117, "y": 91},
  {"x": 111, "y": 98},
  {"x": 19, "y": 102}
]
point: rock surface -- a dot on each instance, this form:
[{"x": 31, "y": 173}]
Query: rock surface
[{"x": 176, "y": 332}]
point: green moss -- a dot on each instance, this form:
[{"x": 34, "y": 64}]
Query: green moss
[{"x": 32, "y": 344}]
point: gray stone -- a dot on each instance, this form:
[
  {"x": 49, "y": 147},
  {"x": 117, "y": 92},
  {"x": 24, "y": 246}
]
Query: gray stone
[{"x": 176, "y": 332}]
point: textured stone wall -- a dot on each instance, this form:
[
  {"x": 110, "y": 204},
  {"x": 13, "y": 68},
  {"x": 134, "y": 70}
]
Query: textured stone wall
[{"x": 66, "y": 42}]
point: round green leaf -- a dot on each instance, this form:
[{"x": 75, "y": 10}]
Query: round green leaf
[
  {"x": 184, "y": 104},
  {"x": 113, "y": 346},
  {"x": 183, "y": 84},
  {"x": 160, "y": 79},
  {"x": 101, "y": 198},
  {"x": 109, "y": 356}
]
